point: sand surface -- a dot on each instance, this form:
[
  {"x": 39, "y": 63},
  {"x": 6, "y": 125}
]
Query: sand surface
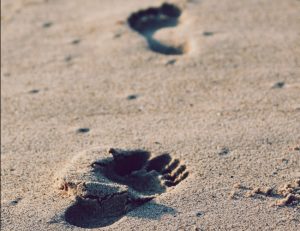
[{"x": 75, "y": 77}]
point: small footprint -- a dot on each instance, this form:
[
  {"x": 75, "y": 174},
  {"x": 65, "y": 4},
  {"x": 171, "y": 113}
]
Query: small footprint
[
  {"x": 106, "y": 189},
  {"x": 285, "y": 195},
  {"x": 148, "y": 21}
]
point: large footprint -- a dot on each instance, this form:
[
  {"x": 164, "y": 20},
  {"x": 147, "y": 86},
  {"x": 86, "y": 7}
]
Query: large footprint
[
  {"x": 106, "y": 189},
  {"x": 148, "y": 21}
]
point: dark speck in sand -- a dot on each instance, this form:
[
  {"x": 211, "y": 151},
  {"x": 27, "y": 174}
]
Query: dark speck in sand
[
  {"x": 199, "y": 214},
  {"x": 47, "y": 24},
  {"x": 131, "y": 97},
  {"x": 208, "y": 33},
  {"x": 68, "y": 58},
  {"x": 224, "y": 151},
  {"x": 76, "y": 41},
  {"x": 279, "y": 84},
  {"x": 83, "y": 130},
  {"x": 171, "y": 62},
  {"x": 16, "y": 201},
  {"x": 34, "y": 91}
]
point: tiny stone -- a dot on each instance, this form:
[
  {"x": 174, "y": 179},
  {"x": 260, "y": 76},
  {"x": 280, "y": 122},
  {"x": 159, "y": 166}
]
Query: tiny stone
[
  {"x": 199, "y": 214},
  {"x": 34, "y": 91},
  {"x": 117, "y": 35},
  {"x": 76, "y": 41},
  {"x": 224, "y": 151},
  {"x": 83, "y": 130},
  {"x": 47, "y": 24},
  {"x": 16, "y": 201},
  {"x": 131, "y": 97},
  {"x": 279, "y": 85},
  {"x": 171, "y": 62},
  {"x": 68, "y": 58},
  {"x": 208, "y": 33}
]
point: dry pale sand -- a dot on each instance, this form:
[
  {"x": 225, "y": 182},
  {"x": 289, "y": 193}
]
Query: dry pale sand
[{"x": 228, "y": 109}]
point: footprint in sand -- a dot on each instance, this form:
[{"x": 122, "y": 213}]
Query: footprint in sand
[
  {"x": 147, "y": 22},
  {"x": 285, "y": 195},
  {"x": 106, "y": 188}
]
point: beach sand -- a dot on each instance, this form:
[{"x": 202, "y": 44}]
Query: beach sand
[{"x": 217, "y": 88}]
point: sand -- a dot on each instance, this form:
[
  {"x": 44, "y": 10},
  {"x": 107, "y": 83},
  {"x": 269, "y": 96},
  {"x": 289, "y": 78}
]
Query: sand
[{"x": 216, "y": 87}]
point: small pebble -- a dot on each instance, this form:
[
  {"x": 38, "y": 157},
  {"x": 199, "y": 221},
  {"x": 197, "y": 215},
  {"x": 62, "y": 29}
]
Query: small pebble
[
  {"x": 279, "y": 85},
  {"x": 131, "y": 97},
  {"x": 199, "y": 214},
  {"x": 76, "y": 41},
  {"x": 34, "y": 91},
  {"x": 16, "y": 201},
  {"x": 171, "y": 62},
  {"x": 83, "y": 130},
  {"x": 224, "y": 151},
  {"x": 208, "y": 33},
  {"x": 117, "y": 35},
  {"x": 47, "y": 24},
  {"x": 68, "y": 58}
]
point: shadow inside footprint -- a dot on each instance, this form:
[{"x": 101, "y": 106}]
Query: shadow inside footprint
[
  {"x": 87, "y": 216},
  {"x": 135, "y": 180},
  {"x": 148, "y": 21},
  {"x": 146, "y": 176}
]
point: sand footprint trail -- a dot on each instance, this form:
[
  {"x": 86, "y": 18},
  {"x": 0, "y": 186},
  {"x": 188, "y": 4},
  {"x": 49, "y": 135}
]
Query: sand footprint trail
[
  {"x": 147, "y": 22},
  {"x": 106, "y": 188}
]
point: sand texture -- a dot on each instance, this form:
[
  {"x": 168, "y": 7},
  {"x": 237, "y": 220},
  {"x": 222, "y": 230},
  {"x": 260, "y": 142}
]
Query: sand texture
[{"x": 150, "y": 115}]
